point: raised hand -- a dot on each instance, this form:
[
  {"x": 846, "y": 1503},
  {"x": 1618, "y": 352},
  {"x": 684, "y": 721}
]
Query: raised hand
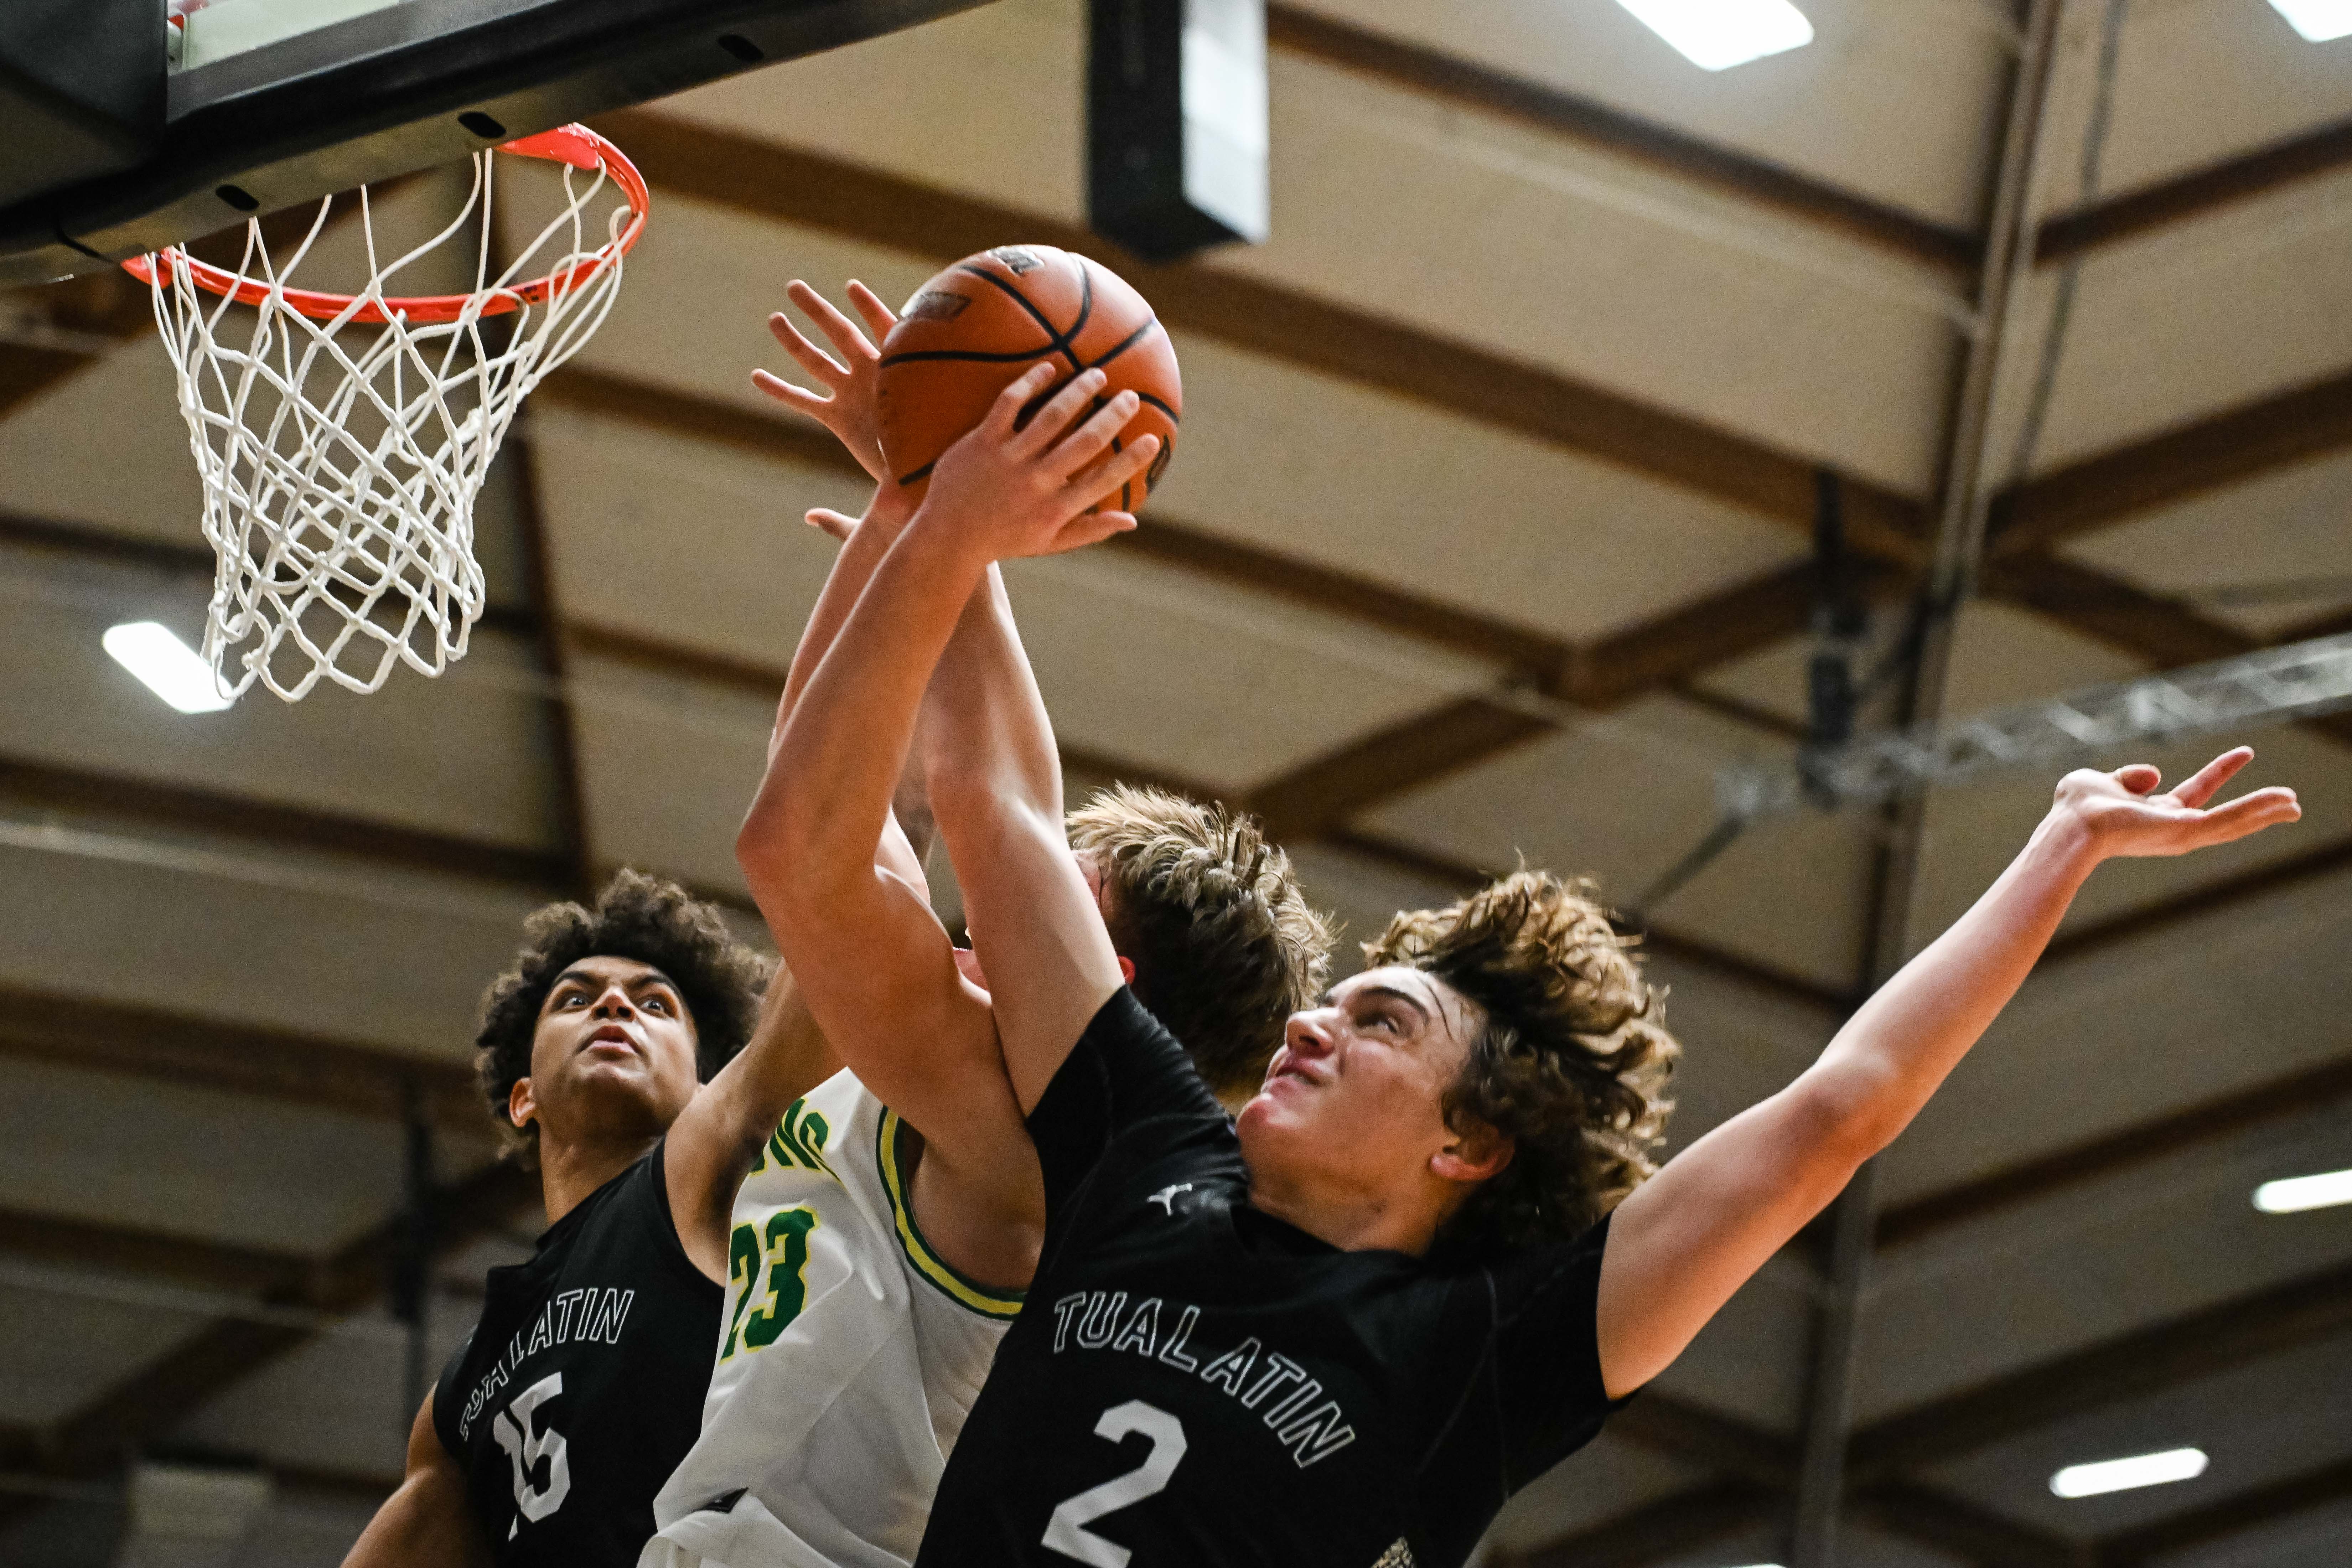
[
  {"x": 849, "y": 411},
  {"x": 2124, "y": 817},
  {"x": 1010, "y": 489}
]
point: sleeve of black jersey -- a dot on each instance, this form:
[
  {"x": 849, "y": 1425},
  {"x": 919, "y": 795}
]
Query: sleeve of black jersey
[
  {"x": 1550, "y": 1396},
  {"x": 1125, "y": 1069}
]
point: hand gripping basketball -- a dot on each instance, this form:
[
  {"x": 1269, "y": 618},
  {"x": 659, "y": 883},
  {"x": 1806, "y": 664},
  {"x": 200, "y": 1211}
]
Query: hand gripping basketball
[
  {"x": 1019, "y": 484},
  {"x": 977, "y": 325}
]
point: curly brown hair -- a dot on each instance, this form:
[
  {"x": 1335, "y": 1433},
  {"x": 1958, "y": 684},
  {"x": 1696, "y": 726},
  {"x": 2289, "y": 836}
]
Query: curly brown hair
[
  {"x": 1225, "y": 944},
  {"x": 636, "y": 916},
  {"x": 1572, "y": 1065}
]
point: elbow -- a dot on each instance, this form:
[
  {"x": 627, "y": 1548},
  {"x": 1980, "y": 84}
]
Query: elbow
[
  {"x": 778, "y": 850},
  {"x": 1851, "y": 1116}
]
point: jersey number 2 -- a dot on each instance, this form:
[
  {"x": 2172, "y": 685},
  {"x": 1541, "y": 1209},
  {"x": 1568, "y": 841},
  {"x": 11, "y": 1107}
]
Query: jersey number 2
[{"x": 1067, "y": 1532}]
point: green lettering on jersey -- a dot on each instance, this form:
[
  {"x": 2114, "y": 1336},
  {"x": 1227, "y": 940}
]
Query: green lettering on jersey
[
  {"x": 787, "y": 1255},
  {"x": 742, "y": 1274},
  {"x": 799, "y": 1139}
]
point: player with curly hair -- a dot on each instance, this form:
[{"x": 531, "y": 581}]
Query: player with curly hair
[
  {"x": 874, "y": 1267},
  {"x": 1428, "y": 1258},
  {"x": 630, "y": 1056}
]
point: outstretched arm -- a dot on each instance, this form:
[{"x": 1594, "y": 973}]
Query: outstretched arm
[
  {"x": 1691, "y": 1236},
  {"x": 716, "y": 1140}
]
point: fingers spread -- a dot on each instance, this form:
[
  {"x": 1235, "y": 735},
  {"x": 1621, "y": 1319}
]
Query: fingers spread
[
  {"x": 2246, "y": 815},
  {"x": 810, "y": 357},
  {"x": 2209, "y": 778},
  {"x": 879, "y": 317},
  {"x": 838, "y": 328},
  {"x": 784, "y": 391}
]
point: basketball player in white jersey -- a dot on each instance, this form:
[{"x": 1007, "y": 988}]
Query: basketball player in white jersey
[{"x": 872, "y": 1269}]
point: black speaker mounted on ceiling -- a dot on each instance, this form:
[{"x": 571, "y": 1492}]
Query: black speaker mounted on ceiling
[{"x": 1176, "y": 123}]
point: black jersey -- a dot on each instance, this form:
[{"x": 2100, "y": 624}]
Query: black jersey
[
  {"x": 580, "y": 1388},
  {"x": 1196, "y": 1383}
]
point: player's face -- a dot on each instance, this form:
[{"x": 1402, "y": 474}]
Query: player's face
[
  {"x": 613, "y": 1053},
  {"x": 1356, "y": 1094}
]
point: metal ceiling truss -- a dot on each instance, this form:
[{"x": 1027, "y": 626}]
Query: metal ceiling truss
[{"x": 2273, "y": 685}]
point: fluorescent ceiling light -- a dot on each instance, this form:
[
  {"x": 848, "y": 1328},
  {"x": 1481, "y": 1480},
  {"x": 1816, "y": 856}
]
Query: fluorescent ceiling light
[
  {"x": 1716, "y": 35},
  {"x": 2317, "y": 20},
  {"x": 2297, "y": 1193},
  {"x": 169, "y": 667},
  {"x": 2122, "y": 1475}
]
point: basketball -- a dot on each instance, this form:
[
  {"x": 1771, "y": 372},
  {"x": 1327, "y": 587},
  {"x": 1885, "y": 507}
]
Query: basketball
[{"x": 976, "y": 327}]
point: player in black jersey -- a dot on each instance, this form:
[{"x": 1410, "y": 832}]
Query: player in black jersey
[
  {"x": 613, "y": 1053},
  {"x": 1423, "y": 1264}
]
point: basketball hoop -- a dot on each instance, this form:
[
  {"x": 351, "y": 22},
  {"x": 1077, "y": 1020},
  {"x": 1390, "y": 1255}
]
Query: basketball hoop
[{"x": 343, "y": 443}]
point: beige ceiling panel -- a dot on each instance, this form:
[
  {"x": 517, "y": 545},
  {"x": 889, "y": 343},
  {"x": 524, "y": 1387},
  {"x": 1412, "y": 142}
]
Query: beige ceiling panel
[
  {"x": 1301, "y": 463},
  {"x": 1369, "y": 482},
  {"x": 462, "y": 755},
  {"x": 2125, "y": 1035},
  {"x": 2191, "y": 321},
  {"x": 1546, "y": 253},
  {"x": 1475, "y": 228},
  {"x": 247, "y": 1172},
  {"x": 333, "y": 1404},
  {"x": 230, "y": 933},
  {"x": 684, "y": 542},
  {"x": 2262, "y": 556},
  {"x": 60, "y": 1348},
  {"x": 694, "y": 308},
  {"x": 106, "y": 446},
  {"x": 2197, "y": 82},
  {"x": 1750, "y": 1360},
  {"x": 991, "y": 103},
  {"x": 1189, "y": 676},
  {"x": 668, "y": 766},
  {"x": 1625, "y": 797},
  {"x": 2037, "y": 1295},
  {"x": 1136, "y": 661},
  {"x": 1893, "y": 99}
]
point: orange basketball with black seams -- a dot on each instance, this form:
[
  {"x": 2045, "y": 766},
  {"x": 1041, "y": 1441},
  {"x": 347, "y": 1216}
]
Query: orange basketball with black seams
[{"x": 971, "y": 331}]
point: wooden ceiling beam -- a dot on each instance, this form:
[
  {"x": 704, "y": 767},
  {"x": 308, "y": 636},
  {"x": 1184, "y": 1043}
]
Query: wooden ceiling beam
[
  {"x": 1448, "y": 78},
  {"x": 149, "y": 1402},
  {"x": 132, "y": 1249},
  {"x": 784, "y": 184},
  {"x": 2162, "y": 1355},
  {"x": 2111, "y": 1153},
  {"x": 2173, "y": 466},
  {"x": 2196, "y": 194},
  {"x": 249, "y": 1059},
  {"x": 55, "y": 786}
]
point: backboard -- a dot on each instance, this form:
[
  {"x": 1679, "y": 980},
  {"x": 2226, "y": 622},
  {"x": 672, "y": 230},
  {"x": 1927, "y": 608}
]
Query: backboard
[{"x": 149, "y": 122}]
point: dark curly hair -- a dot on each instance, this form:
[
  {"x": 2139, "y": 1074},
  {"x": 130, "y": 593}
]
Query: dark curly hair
[
  {"x": 1572, "y": 1065},
  {"x": 645, "y": 918},
  {"x": 1225, "y": 944}
]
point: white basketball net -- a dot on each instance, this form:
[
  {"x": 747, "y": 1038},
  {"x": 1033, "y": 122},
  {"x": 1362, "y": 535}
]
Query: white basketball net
[{"x": 341, "y": 458}]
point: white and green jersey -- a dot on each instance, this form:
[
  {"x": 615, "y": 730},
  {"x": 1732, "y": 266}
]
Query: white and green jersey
[{"x": 850, "y": 1356}]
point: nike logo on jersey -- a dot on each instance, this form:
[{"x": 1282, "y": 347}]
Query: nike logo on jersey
[
  {"x": 1166, "y": 1197},
  {"x": 1096, "y": 1319}
]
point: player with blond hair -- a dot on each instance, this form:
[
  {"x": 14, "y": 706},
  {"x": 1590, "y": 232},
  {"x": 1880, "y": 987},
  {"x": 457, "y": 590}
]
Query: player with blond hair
[{"x": 879, "y": 1252}]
